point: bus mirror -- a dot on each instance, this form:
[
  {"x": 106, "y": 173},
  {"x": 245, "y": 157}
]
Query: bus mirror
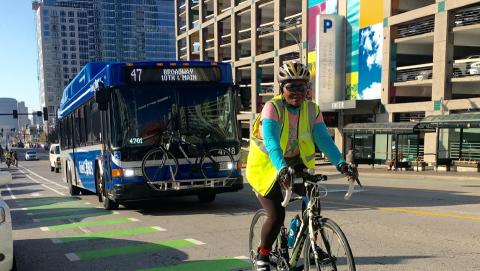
[{"x": 102, "y": 95}]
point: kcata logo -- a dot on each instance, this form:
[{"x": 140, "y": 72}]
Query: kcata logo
[{"x": 327, "y": 24}]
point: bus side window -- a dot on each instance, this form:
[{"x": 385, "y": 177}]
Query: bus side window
[{"x": 95, "y": 124}]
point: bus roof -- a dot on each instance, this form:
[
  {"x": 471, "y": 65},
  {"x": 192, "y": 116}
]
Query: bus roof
[{"x": 81, "y": 88}]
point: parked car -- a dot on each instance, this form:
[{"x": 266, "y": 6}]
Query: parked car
[
  {"x": 467, "y": 66},
  {"x": 7, "y": 261},
  {"x": 423, "y": 26},
  {"x": 31, "y": 155},
  {"x": 54, "y": 157},
  {"x": 467, "y": 16}
]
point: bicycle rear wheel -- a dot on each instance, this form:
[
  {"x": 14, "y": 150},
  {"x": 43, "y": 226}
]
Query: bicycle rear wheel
[
  {"x": 332, "y": 247},
  {"x": 217, "y": 163},
  {"x": 254, "y": 239},
  {"x": 159, "y": 165}
]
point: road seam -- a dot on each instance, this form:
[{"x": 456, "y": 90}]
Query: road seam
[
  {"x": 42, "y": 184},
  {"x": 43, "y": 178}
]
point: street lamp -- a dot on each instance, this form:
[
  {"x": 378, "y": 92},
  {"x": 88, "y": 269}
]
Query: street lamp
[{"x": 281, "y": 28}]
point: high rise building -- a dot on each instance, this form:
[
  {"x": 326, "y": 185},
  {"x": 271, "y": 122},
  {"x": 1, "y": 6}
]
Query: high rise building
[{"x": 71, "y": 33}]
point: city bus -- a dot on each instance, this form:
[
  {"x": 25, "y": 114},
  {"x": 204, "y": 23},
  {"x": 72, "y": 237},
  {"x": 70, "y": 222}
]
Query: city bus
[{"x": 111, "y": 114}]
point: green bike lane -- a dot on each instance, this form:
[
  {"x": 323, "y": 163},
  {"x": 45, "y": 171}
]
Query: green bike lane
[{"x": 73, "y": 233}]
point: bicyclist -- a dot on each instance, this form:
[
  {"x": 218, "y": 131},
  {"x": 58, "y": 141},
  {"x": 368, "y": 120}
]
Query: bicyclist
[{"x": 283, "y": 137}]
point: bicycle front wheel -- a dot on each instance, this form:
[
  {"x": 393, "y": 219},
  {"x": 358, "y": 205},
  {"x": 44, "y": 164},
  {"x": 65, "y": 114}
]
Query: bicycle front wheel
[
  {"x": 217, "y": 163},
  {"x": 159, "y": 165},
  {"x": 333, "y": 250}
]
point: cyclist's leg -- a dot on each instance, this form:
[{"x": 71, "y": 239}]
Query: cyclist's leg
[{"x": 272, "y": 203}]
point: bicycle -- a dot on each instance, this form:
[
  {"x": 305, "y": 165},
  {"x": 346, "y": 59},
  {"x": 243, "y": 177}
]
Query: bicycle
[
  {"x": 318, "y": 253},
  {"x": 161, "y": 164}
]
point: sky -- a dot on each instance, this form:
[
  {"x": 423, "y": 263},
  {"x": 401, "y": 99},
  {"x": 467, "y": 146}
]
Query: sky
[{"x": 18, "y": 53}]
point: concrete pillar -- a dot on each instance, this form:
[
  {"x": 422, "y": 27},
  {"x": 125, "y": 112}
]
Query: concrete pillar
[
  {"x": 278, "y": 12},
  {"x": 200, "y": 31},
  {"x": 233, "y": 33},
  {"x": 216, "y": 36},
  {"x": 304, "y": 31},
  {"x": 387, "y": 68},
  {"x": 442, "y": 58},
  {"x": 253, "y": 44}
]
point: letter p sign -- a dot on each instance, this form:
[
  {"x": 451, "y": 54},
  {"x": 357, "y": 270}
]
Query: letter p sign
[{"x": 327, "y": 23}]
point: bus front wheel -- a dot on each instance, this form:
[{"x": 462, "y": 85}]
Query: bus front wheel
[{"x": 108, "y": 204}]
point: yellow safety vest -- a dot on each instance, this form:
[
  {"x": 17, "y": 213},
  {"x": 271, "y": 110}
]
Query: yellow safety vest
[{"x": 261, "y": 174}]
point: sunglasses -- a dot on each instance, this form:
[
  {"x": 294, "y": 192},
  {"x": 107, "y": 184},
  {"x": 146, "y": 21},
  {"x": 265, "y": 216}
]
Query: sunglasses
[{"x": 296, "y": 87}]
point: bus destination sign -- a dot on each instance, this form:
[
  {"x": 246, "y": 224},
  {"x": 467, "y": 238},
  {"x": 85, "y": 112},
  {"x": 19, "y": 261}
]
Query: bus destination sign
[{"x": 172, "y": 74}]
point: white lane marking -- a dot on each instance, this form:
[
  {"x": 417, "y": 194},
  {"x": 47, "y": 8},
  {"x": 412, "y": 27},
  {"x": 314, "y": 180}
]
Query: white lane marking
[
  {"x": 115, "y": 213},
  {"x": 29, "y": 214},
  {"x": 44, "y": 185},
  {"x": 44, "y": 229},
  {"x": 43, "y": 178},
  {"x": 195, "y": 241},
  {"x": 85, "y": 230},
  {"x": 159, "y": 228},
  {"x": 11, "y": 193},
  {"x": 72, "y": 257},
  {"x": 242, "y": 258},
  {"x": 35, "y": 195},
  {"x": 133, "y": 219},
  {"x": 87, "y": 203}
]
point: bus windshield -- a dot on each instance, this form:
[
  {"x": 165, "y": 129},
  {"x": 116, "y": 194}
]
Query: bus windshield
[{"x": 141, "y": 113}]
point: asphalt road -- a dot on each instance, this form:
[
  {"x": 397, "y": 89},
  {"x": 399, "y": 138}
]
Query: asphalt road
[{"x": 393, "y": 224}]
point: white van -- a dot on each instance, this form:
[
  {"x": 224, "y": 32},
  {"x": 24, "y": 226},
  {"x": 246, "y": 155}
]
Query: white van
[{"x": 55, "y": 163}]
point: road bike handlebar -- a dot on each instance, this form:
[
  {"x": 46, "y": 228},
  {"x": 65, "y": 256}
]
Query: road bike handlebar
[{"x": 314, "y": 179}]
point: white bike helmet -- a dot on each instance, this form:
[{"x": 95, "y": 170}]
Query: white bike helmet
[{"x": 293, "y": 70}]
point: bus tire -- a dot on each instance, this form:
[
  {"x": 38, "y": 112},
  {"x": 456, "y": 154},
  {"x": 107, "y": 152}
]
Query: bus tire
[
  {"x": 73, "y": 190},
  {"x": 109, "y": 204},
  {"x": 98, "y": 178},
  {"x": 206, "y": 196}
]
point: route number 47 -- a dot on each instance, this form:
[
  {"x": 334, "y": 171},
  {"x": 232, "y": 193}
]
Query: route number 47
[{"x": 136, "y": 75}]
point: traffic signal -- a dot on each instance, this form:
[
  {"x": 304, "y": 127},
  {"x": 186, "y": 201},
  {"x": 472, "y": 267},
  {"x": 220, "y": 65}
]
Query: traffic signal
[
  {"x": 39, "y": 113},
  {"x": 45, "y": 114},
  {"x": 15, "y": 114}
]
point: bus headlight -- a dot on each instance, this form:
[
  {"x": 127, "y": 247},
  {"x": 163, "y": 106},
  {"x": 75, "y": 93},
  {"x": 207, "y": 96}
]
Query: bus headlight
[
  {"x": 128, "y": 172},
  {"x": 226, "y": 166}
]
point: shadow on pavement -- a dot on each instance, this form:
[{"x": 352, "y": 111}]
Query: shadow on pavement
[{"x": 99, "y": 254}]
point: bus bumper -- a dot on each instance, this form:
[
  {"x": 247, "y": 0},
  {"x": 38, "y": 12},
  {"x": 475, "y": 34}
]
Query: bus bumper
[{"x": 126, "y": 192}]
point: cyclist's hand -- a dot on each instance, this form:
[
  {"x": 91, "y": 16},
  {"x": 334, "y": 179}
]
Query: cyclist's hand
[
  {"x": 350, "y": 171},
  {"x": 285, "y": 177}
]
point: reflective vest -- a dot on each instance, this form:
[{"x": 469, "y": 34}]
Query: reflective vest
[{"x": 261, "y": 174}]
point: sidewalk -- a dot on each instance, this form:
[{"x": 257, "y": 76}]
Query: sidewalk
[{"x": 381, "y": 171}]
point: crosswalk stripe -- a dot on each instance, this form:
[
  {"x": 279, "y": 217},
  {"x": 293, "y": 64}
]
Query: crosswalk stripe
[{"x": 75, "y": 216}]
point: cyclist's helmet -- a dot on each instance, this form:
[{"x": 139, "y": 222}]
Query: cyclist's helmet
[{"x": 293, "y": 70}]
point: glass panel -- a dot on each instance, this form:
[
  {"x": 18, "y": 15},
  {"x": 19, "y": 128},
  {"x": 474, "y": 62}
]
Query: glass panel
[
  {"x": 407, "y": 146},
  {"x": 471, "y": 144},
  {"x": 449, "y": 143},
  {"x": 363, "y": 146},
  {"x": 381, "y": 146}
]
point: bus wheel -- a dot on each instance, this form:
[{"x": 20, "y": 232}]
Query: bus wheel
[
  {"x": 98, "y": 189},
  {"x": 206, "y": 196},
  {"x": 74, "y": 191},
  {"x": 108, "y": 204}
]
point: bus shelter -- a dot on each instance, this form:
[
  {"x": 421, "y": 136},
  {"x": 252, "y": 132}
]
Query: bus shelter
[
  {"x": 377, "y": 143},
  {"x": 458, "y": 138}
]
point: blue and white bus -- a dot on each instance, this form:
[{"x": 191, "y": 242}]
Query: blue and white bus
[{"x": 109, "y": 108}]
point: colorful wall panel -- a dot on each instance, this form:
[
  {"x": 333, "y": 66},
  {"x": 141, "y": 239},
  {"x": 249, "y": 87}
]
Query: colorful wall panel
[{"x": 364, "y": 35}]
